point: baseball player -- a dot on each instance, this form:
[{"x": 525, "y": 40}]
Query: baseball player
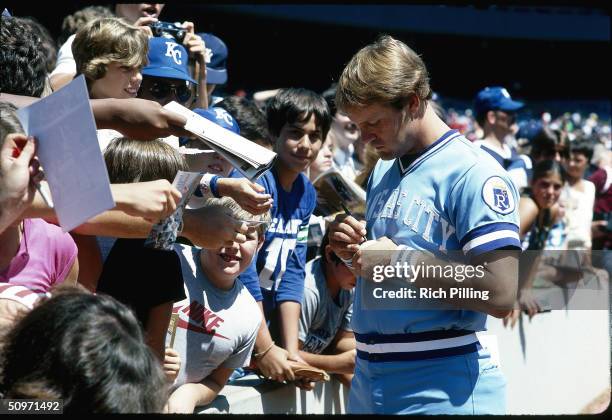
[{"x": 432, "y": 191}]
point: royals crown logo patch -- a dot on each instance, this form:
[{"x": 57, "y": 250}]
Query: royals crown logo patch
[{"x": 498, "y": 196}]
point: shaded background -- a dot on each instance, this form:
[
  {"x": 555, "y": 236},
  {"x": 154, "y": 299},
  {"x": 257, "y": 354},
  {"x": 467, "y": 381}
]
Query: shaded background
[{"x": 553, "y": 57}]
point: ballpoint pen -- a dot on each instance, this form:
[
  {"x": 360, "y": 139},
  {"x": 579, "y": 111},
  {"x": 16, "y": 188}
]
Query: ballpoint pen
[{"x": 348, "y": 213}]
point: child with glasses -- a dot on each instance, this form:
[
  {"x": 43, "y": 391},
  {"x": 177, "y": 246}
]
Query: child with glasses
[{"x": 215, "y": 327}]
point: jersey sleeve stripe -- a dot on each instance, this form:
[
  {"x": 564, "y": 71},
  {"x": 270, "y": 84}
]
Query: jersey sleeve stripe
[
  {"x": 488, "y": 228},
  {"x": 509, "y": 236},
  {"x": 506, "y": 243}
]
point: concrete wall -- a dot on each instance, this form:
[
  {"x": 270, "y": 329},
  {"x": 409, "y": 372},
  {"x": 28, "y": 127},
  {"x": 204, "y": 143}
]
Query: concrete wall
[
  {"x": 557, "y": 363},
  {"x": 273, "y": 398}
]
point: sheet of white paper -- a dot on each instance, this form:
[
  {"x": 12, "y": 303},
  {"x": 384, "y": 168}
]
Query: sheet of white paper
[{"x": 69, "y": 152}]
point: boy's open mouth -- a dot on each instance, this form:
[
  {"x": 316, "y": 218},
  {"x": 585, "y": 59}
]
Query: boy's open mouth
[{"x": 229, "y": 257}]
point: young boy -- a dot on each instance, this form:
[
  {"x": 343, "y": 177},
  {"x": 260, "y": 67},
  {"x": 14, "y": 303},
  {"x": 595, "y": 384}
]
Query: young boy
[
  {"x": 147, "y": 280},
  {"x": 110, "y": 54},
  {"x": 216, "y": 325},
  {"x": 326, "y": 338},
  {"x": 299, "y": 120}
]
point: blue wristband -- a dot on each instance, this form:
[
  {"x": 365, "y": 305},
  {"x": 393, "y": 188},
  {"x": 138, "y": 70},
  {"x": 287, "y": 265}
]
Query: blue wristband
[{"x": 213, "y": 186}]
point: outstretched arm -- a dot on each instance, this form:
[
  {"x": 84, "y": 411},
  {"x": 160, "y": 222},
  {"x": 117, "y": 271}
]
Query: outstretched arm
[{"x": 188, "y": 396}]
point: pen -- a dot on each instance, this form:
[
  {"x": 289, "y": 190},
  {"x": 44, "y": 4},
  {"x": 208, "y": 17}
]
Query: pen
[
  {"x": 348, "y": 213},
  {"x": 346, "y": 210}
]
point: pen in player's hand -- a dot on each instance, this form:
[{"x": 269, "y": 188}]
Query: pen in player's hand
[{"x": 348, "y": 213}]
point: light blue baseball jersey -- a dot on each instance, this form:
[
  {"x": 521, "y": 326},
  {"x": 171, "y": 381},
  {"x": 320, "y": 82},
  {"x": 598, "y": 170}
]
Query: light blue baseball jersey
[{"x": 453, "y": 196}]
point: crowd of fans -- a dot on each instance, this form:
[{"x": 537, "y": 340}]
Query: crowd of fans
[{"x": 108, "y": 325}]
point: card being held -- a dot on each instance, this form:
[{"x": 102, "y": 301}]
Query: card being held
[{"x": 163, "y": 234}]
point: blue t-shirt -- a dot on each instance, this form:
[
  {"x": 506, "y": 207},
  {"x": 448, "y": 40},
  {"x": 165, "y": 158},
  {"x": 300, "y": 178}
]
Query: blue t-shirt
[
  {"x": 277, "y": 272},
  {"x": 452, "y": 197}
]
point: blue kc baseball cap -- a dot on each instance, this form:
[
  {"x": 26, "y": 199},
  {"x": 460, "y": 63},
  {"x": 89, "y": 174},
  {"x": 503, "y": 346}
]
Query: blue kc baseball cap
[
  {"x": 167, "y": 59},
  {"x": 495, "y": 99},
  {"x": 219, "y": 116},
  {"x": 216, "y": 59}
]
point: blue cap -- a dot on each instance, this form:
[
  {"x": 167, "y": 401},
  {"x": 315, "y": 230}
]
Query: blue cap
[
  {"x": 167, "y": 59},
  {"x": 220, "y": 117},
  {"x": 6, "y": 13},
  {"x": 216, "y": 58},
  {"x": 529, "y": 129},
  {"x": 217, "y": 115},
  {"x": 495, "y": 99}
]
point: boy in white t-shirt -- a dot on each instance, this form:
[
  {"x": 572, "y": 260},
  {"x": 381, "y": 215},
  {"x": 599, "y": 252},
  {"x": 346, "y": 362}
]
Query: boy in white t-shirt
[{"x": 215, "y": 327}]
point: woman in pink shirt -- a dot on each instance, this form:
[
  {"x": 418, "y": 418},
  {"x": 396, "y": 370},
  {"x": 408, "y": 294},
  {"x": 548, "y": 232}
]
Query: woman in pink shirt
[
  {"x": 37, "y": 255},
  {"x": 34, "y": 253}
]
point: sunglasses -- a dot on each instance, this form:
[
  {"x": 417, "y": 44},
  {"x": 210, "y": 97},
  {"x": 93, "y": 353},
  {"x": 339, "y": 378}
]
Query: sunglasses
[{"x": 161, "y": 90}]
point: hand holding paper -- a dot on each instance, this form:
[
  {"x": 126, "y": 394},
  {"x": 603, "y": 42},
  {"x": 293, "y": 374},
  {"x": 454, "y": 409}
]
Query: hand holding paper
[
  {"x": 19, "y": 175},
  {"x": 69, "y": 152},
  {"x": 249, "y": 195},
  {"x": 164, "y": 234}
]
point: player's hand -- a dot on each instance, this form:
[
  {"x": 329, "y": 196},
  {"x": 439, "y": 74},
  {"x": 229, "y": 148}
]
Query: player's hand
[
  {"x": 372, "y": 253},
  {"x": 211, "y": 227},
  {"x": 137, "y": 118},
  {"x": 345, "y": 235},
  {"x": 153, "y": 200},
  {"x": 172, "y": 364},
  {"x": 143, "y": 23},
  {"x": 251, "y": 196},
  {"x": 273, "y": 365}
]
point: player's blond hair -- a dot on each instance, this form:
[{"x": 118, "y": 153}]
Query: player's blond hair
[
  {"x": 387, "y": 72},
  {"x": 239, "y": 213},
  {"x": 107, "y": 40}
]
